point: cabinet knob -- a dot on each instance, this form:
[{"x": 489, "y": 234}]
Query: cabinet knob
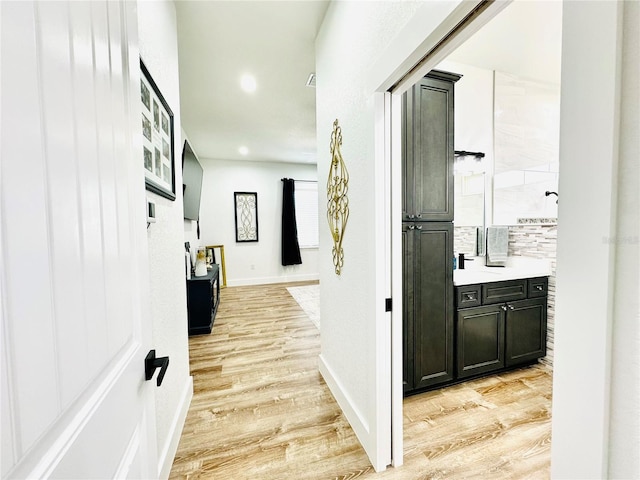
[
  {"x": 503, "y": 307},
  {"x": 411, "y": 227},
  {"x": 419, "y": 215},
  {"x": 412, "y": 216},
  {"x": 539, "y": 288},
  {"x": 511, "y": 307},
  {"x": 419, "y": 227}
]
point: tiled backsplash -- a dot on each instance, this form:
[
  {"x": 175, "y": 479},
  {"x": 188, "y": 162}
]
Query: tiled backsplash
[
  {"x": 464, "y": 240},
  {"x": 539, "y": 241}
]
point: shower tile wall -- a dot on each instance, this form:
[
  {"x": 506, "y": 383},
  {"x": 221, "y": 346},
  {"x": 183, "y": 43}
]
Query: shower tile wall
[{"x": 539, "y": 241}]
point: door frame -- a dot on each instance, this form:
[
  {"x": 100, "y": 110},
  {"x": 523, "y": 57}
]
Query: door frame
[
  {"x": 458, "y": 26},
  {"x": 597, "y": 98}
]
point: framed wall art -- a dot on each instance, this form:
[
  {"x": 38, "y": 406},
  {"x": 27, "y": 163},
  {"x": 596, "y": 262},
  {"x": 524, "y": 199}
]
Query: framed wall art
[
  {"x": 157, "y": 138},
  {"x": 246, "y": 213}
]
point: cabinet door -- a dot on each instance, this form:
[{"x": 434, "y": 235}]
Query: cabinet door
[
  {"x": 408, "y": 183},
  {"x": 433, "y": 304},
  {"x": 408, "y": 260},
  {"x": 428, "y": 148},
  {"x": 480, "y": 340},
  {"x": 526, "y": 327},
  {"x": 199, "y": 305}
]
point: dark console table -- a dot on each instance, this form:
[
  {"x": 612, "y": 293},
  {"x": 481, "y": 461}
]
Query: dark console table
[{"x": 203, "y": 297}]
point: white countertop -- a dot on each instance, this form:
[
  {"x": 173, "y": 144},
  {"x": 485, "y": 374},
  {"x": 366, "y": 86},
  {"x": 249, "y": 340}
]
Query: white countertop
[{"x": 517, "y": 268}]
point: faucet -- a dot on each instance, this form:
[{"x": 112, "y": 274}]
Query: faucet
[{"x": 547, "y": 193}]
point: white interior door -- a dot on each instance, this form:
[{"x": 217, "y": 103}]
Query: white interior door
[{"x": 75, "y": 327}]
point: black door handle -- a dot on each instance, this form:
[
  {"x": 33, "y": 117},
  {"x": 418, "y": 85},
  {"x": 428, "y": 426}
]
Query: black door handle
[{"x": 151, "y": 363}]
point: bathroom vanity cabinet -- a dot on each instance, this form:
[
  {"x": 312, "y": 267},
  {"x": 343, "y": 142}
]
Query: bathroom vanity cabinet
[{"x": 500, "y": 325}]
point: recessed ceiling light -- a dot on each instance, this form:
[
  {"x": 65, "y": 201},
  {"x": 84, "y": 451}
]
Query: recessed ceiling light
[
  {"x": 248, "y": 83},
  {"x": 244, "y": 151}
]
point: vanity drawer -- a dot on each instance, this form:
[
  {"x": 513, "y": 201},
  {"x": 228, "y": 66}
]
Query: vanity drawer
[
  {"x": 498, "y": 292},
  {"x": 538, "y": 287},
  {"x": 468, "y": 296}
]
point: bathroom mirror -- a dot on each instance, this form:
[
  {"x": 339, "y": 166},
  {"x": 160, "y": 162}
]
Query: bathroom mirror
[
  {"x": 469, "y": 220},
  {"x": 514, "y": 121}
]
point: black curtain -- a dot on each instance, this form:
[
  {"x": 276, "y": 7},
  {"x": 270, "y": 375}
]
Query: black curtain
[{"x": 290, "y": 247}]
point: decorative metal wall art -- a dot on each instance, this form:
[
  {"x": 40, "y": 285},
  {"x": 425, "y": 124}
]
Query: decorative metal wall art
[
  {"x": 337, "y": 200},
  {"x": 246, "y": 205}
]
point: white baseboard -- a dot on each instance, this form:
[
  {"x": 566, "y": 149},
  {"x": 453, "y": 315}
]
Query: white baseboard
[
  {"x": 354, "y": 417},
  {"x": 269, "y": 280},
  {"x": 165, "y": 459}
]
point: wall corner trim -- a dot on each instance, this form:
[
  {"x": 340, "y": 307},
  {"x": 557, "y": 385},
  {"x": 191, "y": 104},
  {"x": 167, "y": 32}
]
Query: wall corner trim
[
  {"x": 351, "y": 412},
  {"x": 168, "y": 453}
]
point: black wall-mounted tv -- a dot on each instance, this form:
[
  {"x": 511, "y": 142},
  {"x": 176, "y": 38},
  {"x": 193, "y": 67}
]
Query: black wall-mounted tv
[{"x": 191, "y": 182}]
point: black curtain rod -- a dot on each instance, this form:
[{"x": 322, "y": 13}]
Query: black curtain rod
[
  {"x": 464, "y": 153},
  {"x": 305, "y": 181}
]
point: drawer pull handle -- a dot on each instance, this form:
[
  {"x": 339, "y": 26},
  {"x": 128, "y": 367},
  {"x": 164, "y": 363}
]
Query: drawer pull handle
[
  {"x": 539, "y": 288},
  {"x": 469, "y": 296}
]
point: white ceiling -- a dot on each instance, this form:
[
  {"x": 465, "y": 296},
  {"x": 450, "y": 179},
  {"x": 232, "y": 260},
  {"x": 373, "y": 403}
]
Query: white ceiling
[
  {"x": 524, "y": 39},
  {"x": 219, "y": 41}
]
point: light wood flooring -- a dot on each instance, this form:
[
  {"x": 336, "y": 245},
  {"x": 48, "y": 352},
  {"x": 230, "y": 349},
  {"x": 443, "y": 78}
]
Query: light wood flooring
[{"x": 262, "y": 411}]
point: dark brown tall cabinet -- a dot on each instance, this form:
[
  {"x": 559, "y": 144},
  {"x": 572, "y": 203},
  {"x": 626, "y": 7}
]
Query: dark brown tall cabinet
[
  {"x": 428, "y": 304},
  {"x": 427, "y": 232},
  {"x": 428, "y": 149}
]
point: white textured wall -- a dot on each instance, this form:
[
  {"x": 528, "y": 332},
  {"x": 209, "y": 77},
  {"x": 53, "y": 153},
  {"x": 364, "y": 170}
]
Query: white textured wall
[
  {"x": 359, "y": 46},
  {"x": 596, "y": 397},
  {"x": 159, "y": 51},
  {"x": 251, "y": 263}
]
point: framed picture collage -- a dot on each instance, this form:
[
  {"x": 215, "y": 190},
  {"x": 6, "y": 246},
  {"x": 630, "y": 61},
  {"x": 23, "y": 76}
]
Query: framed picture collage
[{"x": 157, "y": 138}]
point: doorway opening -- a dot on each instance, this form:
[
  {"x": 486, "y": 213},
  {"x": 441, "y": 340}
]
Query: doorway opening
[{"x": 488, "y": 80}]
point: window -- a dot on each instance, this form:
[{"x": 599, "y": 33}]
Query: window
[{"x": 306, "y": 197}]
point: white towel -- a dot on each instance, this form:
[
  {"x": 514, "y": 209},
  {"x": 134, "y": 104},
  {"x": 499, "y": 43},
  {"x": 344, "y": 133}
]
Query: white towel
[{"x": 497, "y": 245}]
